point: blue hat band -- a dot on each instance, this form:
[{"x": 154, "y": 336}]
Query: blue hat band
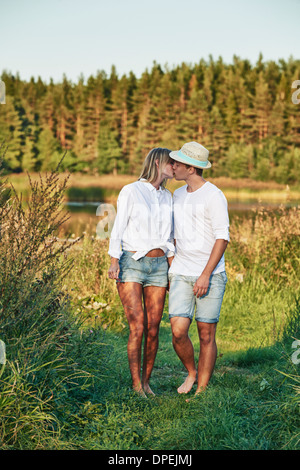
[{"x": 191, "y": 161}]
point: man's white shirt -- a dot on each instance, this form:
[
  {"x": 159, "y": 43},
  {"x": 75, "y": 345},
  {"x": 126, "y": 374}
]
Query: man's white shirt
[
  {"x": 200, "y": 218},
  {"x": 143, "y": 221}
]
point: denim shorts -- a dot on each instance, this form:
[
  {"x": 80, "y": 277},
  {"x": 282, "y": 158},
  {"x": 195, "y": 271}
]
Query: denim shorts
[
  {"x": 183, "y": 302},
  {"x": 146, "y": 271}
]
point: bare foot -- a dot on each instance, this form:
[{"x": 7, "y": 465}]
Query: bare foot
[
  {"x": 148, "y": 390},
  {"x": 187, "y": 384},
  {"x": 139, "y": 390},
  {"x": 197, "y": 394}
]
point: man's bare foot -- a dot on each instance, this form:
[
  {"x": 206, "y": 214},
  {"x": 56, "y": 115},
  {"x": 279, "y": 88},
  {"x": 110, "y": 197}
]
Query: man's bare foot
[
  {"x": 148, "y": 390},
  {"x": 187, "y": 384},
  {"x": 197, "y": 394}
]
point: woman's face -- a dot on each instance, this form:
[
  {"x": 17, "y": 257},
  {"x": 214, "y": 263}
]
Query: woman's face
[{"x": 167, "y": 170}]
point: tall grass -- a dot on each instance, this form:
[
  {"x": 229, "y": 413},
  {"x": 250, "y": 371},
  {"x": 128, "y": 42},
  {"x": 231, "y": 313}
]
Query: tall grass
[
  {"x": 94, "y": 296},
  {"x": 40, "y": 333},
  {"x": 267, "y": 245}
]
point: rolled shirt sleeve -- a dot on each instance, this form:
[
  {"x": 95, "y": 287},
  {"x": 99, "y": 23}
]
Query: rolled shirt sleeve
[
  {"x": 123, "y": 212},
  {"x": 218, "y": 211}
]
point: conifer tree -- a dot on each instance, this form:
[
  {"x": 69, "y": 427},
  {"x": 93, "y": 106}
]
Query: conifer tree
[
  {"x": 109, "y": 123},
  {"x": 11, "y": 134}
]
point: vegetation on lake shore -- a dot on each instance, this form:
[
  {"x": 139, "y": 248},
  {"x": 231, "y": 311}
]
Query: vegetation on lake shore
[
  {"x": 65, "y": 382},
  {"x": 91, "y": 188}
]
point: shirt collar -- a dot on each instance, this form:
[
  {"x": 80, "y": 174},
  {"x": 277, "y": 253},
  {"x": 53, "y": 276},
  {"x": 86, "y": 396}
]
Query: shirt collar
[{"x": 149, "y": 185}]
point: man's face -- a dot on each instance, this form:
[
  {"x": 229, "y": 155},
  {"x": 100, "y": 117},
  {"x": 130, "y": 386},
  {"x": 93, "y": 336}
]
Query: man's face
[{"x": 180, "y": 171}]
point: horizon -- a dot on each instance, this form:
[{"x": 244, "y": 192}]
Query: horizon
[{"x": 164, "y": 67}]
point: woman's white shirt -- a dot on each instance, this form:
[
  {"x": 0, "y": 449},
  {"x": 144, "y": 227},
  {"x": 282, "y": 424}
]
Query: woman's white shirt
[{"x": 144, "y": 221}]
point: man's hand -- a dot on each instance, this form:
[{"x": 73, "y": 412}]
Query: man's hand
[
  {"x": 114, "y": 269},
  {"x": 201, "y": 285}
]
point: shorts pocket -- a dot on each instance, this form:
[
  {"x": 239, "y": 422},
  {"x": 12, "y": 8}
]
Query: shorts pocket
[{"x": 217, "y": 285}]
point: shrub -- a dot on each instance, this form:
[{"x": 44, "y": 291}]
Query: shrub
[{"x": 35, "y": 319}]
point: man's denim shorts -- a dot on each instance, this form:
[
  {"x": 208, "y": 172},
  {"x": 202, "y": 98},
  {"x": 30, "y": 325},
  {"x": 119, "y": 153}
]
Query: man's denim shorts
[
  {"x": 183, "y": 302},
  {"x": 146, "y": 271}
]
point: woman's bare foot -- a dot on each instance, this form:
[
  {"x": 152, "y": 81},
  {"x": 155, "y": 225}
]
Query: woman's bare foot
[
  {"x": 148, "y": 390},
  {"x": 139, "y": 390},
  {"x": 187, "y": 384}
]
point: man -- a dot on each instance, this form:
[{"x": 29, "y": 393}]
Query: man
[{"x": 197, "y": 273}]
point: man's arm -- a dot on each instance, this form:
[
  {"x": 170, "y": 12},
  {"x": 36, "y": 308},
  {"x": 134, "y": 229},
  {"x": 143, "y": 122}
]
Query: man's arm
[{"x": 201, "y": 285}]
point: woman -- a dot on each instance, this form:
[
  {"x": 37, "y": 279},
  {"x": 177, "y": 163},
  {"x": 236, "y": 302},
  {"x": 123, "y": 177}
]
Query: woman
[{"x": 141, "y": 249}]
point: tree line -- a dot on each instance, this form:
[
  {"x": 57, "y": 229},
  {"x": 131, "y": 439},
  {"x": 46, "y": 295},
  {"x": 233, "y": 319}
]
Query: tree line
[{"x": 242, "y": 112}]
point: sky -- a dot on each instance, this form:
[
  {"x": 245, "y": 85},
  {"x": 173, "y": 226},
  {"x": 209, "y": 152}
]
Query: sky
[{"x": 80, "y": 37}]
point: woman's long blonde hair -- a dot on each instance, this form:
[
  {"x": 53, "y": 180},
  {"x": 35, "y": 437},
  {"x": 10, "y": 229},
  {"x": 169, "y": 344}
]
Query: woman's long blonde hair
[{"x": 150, "y": 171}]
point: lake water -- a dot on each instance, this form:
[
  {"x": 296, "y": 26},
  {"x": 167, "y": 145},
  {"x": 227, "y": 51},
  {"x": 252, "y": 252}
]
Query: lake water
[{"x": 83, "y": 216}]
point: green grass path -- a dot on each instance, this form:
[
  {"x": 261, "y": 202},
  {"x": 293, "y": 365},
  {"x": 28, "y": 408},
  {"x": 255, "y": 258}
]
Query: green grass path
[{"x": 242, "y": 409}]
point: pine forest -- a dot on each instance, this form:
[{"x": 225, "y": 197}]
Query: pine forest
[{"x": 107, "y": 123}]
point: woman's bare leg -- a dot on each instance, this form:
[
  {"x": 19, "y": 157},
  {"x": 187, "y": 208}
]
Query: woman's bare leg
[
  {"x": 154, "y": 299},
  {"x": 131, "y": 297}
]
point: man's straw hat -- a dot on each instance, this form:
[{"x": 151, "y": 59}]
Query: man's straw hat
[{"x": 193, "y": 154}]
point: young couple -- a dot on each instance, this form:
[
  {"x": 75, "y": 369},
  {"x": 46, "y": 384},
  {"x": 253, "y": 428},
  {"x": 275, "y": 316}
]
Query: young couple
[{"x": 158, "y": 242}]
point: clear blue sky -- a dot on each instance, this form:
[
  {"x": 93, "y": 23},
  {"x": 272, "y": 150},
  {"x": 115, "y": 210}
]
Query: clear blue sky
[{"x": 49, "y": 38}]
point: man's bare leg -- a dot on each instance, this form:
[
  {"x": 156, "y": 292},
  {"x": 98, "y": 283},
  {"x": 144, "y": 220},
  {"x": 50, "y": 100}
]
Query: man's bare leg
[
  {"x": 185, "y": 351},
  {"x": 208, "y": 353},
  {"x": 154, "y": 299}
]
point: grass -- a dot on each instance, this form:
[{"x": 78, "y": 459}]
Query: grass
[
  {"x": 251, "y": 402},
  {"x": 236, "y": 412},
  {"x": 66, "y": 381}
]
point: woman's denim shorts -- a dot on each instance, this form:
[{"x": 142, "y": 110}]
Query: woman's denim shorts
[
  {"x": 183, "y": 302},
  {"x": 146, "y": 271}
]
